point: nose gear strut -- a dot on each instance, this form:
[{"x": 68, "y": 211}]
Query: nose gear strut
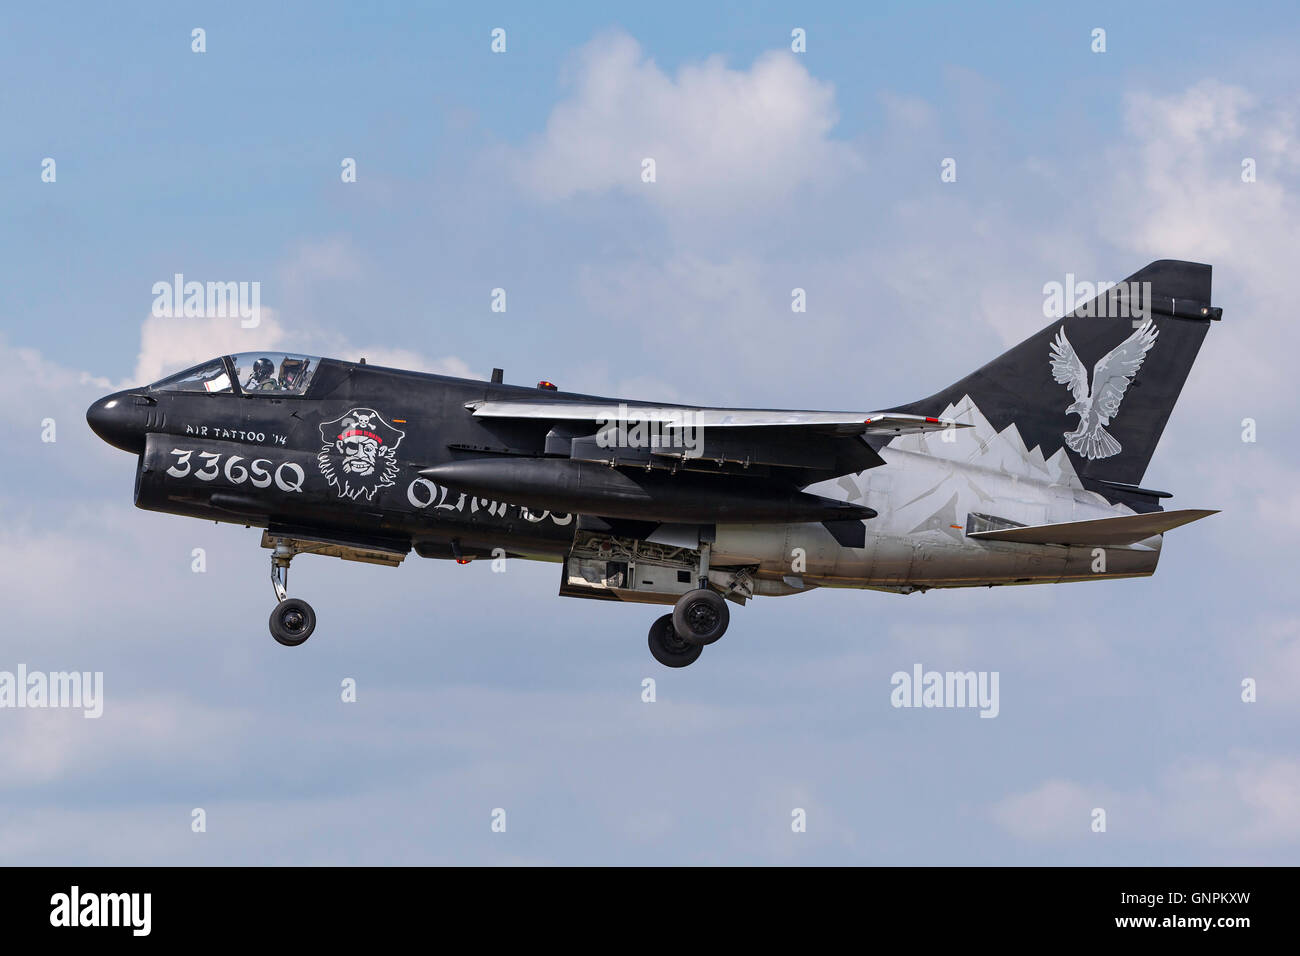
[{"x": 292, "y": 619}]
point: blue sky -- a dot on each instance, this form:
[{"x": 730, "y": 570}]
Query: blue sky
[{"x": 521, "y": 171}]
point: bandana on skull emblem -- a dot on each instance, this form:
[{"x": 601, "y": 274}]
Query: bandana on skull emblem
[{"x": 359, "y": 453}]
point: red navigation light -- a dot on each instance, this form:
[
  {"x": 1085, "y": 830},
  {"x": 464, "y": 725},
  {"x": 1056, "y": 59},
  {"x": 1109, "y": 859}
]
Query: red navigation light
[{"x": 550, "y": 387}]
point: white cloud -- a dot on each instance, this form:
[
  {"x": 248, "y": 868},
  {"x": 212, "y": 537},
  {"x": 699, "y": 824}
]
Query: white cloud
[
  {"x": 909, "y": 112},
  {"x": 1185, "y": 195},
  {"x": 1056, "y": 810},
  {"x": 324, "y": 259},
  {"x": 1251, "y": 800},
  {"x": 171, "y": 344},
  {"x": 28, "y": 372},
  {"x": 1178, "y": 193},
  {"x": 1242, "y": 802},
  {"x": 55, "y": 744},
  {"x": 721, "y": 138}
]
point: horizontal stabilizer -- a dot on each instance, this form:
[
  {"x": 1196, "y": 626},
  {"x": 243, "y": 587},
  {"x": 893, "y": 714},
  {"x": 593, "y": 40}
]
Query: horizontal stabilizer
[{"x": 1125, "y": 529}]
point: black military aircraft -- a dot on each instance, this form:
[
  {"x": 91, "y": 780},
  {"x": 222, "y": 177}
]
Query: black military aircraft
[{"x": 1026, "y": 471}]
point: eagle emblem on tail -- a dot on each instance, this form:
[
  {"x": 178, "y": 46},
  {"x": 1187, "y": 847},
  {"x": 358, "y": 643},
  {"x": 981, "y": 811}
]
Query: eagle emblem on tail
[{"x": 1110, "y": 379}]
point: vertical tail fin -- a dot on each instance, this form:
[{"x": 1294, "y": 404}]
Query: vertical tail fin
[{"x": 1102, "y": 381}]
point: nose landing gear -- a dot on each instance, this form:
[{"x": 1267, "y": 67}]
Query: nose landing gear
[{"x": 292, "y": 619}]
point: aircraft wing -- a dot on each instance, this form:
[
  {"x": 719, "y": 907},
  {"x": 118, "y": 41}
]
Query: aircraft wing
[
  {"x": 846, "y": 423},
  {"x": 1099, "y": 532},
  {"x": 788, "y": 445}
]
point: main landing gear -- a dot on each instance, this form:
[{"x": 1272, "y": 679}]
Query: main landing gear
[
  {"x": 293, "y": 619},
  {"x": 699, "y": 617}
]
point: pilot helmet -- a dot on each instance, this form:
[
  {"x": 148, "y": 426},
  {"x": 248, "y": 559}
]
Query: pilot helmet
[{"x": 263, "y": 368}]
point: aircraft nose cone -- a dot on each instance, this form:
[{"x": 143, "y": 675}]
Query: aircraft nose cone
[{"x": 117, "y": 420}]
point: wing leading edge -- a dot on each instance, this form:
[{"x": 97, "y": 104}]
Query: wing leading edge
[{"x": 844, "y": 423}]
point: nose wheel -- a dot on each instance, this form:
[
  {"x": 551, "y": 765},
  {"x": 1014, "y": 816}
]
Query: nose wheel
[
  {"x": 292, "y": 619},
  {"x": 292, "y": 622}
]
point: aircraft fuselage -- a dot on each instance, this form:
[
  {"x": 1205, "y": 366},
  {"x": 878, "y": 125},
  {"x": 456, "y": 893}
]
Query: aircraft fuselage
[{"x": 262, "y": 460}]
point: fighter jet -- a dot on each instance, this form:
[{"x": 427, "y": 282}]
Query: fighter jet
[{"x": 1026, "y": 471}]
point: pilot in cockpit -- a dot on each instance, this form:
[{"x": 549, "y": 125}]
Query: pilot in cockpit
[
  {"x": 262, "y": 378},
  {"x": 292, "y": 373}
]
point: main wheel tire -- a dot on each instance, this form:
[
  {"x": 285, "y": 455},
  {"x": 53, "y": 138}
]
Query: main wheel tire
[
  {"x": 701, "y": 616},
  {"x": 292, "y": 622},
  {"x": 669, "y": 649}
]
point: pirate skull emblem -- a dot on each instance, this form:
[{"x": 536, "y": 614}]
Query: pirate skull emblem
[
  {"x": 359, "y": 445},
  {"x": 358, "y": 454}
]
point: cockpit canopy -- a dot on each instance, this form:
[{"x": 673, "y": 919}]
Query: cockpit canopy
[
  {"x": 251, "y": 373},
  {"x": 279, "y": 373}
]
